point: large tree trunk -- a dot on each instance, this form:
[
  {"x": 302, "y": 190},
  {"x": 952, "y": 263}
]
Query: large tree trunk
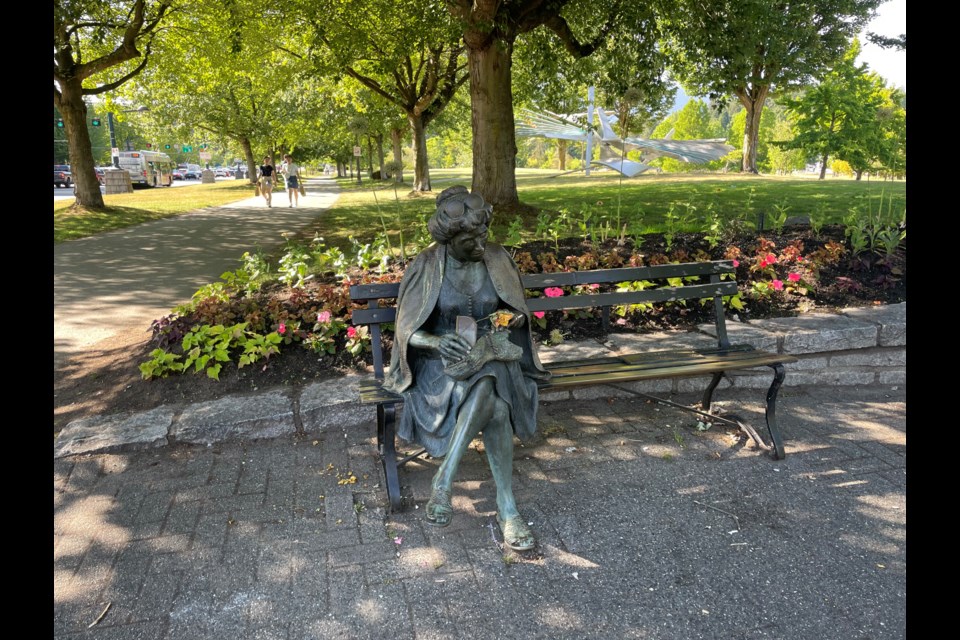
[
  {"x": 752, "y": 101},
  {"x": 823, "y": 167},
  {"x": 562, "y": 153},
  {"x": 421, "y": 170},
  {"x": 379, "y": 139},
  {"x": 251, "y": 163},
  {"x": 370, "y": 155},
  {"x": 74, "y": 112},
  {"x": 396, "y": 141},
  {"x": 859, "y": 174},
  {"x": 494, "y": 140}
]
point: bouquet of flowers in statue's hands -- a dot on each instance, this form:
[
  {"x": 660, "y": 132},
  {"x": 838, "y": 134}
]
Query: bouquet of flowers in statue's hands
[{"x": 494, "y": 345}]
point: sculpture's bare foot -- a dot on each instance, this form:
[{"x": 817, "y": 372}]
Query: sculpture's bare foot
[
  {"x": 439, "y": 511},
  {"x": 516, "y": 533}
]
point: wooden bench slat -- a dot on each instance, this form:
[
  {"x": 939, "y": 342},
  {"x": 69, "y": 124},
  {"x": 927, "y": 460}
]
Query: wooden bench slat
[
  {"x": 628, "y": 368},
  {"x": 374, "y": 291},
  {"x": 626, "y": 274},
  {"x": 373, "y": 316},
  {"x": 614, "y": 299}
]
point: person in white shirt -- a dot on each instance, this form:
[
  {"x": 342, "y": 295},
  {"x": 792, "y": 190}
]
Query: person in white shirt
[{"x": 291, "y": 173}]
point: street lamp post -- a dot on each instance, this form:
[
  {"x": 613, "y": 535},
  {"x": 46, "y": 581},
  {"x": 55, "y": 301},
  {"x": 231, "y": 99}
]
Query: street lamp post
[{"x": 113, "y": 134}]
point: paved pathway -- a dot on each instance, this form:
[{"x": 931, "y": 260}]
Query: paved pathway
[
  {"x": 647, "y": 529},
  {"x": 125, "y": 279}
]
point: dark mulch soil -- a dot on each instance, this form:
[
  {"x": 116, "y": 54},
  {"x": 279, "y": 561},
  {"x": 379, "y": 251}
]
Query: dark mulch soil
[{"x": 108, "y": 381}]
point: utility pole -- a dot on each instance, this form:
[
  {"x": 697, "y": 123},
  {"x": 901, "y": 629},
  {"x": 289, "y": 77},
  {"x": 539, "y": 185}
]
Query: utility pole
[{"x": 115, "y": 159}]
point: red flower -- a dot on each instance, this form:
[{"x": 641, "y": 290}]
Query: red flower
[
  {"x": 538, "y": 314},
  {"x": 282, "y": 329},
  {"x": 553, "y": 292},
  {"x": 351, "y": 332},
  {"x": 736, "y": 263},
  {"x": 793, "y": 277},
  {"x": 777, "y": 284}
]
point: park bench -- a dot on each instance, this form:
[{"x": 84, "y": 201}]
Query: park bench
[{"x": 703, "y": 280}]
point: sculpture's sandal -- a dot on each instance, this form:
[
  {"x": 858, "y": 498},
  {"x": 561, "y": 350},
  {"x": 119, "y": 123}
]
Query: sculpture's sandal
[
  {"x": 516, "y": 533},
  {"x": 439, "y": 511}
]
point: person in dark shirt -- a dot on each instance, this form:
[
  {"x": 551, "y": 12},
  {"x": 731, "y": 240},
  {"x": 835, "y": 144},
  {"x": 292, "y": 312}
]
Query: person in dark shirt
[{"x": 266, "y": 177}]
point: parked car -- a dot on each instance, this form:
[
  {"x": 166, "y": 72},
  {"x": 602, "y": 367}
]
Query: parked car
[
  {"x": 62, "y": 176},
  {"x": 100, "y": 172},
  {"x": 223, "y": 172},
  {"x": 191, "y": 174},
  {"x": 178, "y": 174}
]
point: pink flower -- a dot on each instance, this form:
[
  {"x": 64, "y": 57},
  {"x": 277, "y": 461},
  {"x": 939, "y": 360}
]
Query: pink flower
[
  {"x": 777, "y": 284},
  {"x": 539, "y": 315},
  {"x": 553, "y": 292},
  {"x": 594, "y": 286},
  {"x": 282, "y": 329},
  {"x": 323, "y": 317},
  {"x": 351, "y": 332},
  {"x": 799, "y": 258},
  {"x": 621, "y": 322},
  {"x": 793, "y": 277},
  {"x": 736, "y": 263}
]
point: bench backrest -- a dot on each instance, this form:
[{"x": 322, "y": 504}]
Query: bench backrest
[{"x": 708, "y": 284}]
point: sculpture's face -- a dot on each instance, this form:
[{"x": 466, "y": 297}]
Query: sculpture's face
[{"x": 468, "y": 246}]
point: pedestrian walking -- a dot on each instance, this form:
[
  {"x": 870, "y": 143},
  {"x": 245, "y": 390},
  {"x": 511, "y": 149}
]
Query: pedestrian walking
[
  {"x": 265, "y": 177},
  {"x": 291, "y": 173}
]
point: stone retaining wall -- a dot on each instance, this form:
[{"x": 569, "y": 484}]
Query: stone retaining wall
[{"x": 858, "y": 346}]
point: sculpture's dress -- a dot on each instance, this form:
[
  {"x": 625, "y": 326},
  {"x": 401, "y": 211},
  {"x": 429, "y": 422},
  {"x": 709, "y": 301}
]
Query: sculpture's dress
[{"x": 431, "y": 400}]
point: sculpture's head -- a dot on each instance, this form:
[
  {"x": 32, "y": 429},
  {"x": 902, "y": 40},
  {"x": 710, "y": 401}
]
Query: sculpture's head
[{"x": 461, "y": 222}]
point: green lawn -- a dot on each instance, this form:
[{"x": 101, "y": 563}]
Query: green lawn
[
  {"x": 643, "y": 203},
  {"x": 143, "y": 205}
]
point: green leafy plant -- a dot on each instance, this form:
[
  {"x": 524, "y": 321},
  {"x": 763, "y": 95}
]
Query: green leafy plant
[
  {"x": 513, "y": 237},
  {"x": 323, "y": 337},
  {"x": 294, "y": 267},
  {"x": 672, "y": 226},
  {"x": 818, "y": 218},
  {"x": 358, "y": 339},
  {"x": 779, "y": 216},
  {"x": 206, "y": 347},
  {"x": 161, "y": 364},
  {"x": 714, "y": 232},
  {"x": 258, "y": 347}
]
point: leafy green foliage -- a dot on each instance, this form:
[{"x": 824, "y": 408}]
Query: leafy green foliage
[{"x": 851, "y": 116}]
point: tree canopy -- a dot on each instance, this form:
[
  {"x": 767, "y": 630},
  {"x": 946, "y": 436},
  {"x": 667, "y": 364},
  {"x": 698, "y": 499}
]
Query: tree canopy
[
  {"x": 97, "y": 47},
  {"x": 750, "y": 48}
]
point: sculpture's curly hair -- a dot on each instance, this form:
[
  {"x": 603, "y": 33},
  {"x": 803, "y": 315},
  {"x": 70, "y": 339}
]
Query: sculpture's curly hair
[{"x": 458, "y": 210}]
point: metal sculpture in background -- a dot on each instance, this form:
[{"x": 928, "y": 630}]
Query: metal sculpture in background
[{"x": 613, "y": 148}]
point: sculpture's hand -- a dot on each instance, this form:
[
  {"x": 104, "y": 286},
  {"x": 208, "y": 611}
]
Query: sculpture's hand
[
  {"x": 453, "y": 346},
  {"x": 517, "y": 321}
]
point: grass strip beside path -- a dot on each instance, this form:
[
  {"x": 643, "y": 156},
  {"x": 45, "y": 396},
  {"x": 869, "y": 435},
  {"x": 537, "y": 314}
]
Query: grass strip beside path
[{"x": 143, "y": 205}]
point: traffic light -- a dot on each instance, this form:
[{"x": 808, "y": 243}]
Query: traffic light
[
  {"x": 204, "y": 145},
  {"x": 96, "y": 122},
  {"x": 149, "y": 145},
  {"x": 166, "y": 146},
  {"x": 60, "y": 123}
]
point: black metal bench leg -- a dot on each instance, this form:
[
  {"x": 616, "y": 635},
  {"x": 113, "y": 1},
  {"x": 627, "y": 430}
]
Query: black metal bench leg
[
  {"x": 708, "y": 394},
  {"x": 779, "y": 453},
  {"x": 386, "y": 442}
]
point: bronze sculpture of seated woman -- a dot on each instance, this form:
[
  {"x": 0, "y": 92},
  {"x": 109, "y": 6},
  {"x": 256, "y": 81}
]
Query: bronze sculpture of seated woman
[{"x": 480, "y": 379}]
